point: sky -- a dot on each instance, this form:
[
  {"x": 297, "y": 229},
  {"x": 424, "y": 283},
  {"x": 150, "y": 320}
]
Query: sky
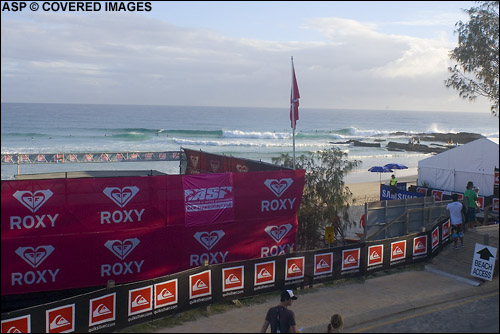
[{"x": 377, "y": 55}]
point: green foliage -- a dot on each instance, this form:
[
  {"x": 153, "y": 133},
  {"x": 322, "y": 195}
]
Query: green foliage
[
  {"x": 325, "y": 194},
  {"x": 477, "y": 54}
]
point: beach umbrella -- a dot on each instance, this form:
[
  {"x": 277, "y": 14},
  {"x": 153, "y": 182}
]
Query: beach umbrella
[
  {"x": 380, "y": 169},
  {"x": 395, "y": 166}
]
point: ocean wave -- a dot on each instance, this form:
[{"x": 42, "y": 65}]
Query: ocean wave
[
  {"x": 389, "y": 155},
  {"x": 243, "y": 143},
  {"x": 255, "y": 134}
]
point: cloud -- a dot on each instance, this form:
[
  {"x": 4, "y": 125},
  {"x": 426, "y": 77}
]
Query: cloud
[{"x": 131, "y": 59}]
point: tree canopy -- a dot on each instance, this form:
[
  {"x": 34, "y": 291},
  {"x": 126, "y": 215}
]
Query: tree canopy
[
  {"x": 477, "y": 54},
  {"x": 325, "y": 195}
]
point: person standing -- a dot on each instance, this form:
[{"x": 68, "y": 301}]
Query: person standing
[
  {"x": 471, "y": 196},
  {"x": 281, "y": 319},
  {"x": 336, "y": 324},
  {"x": 455, "y": 209},
  {"x": 394, "y": 184}
]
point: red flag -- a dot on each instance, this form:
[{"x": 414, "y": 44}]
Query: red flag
[{"x": 294, "y": 100}]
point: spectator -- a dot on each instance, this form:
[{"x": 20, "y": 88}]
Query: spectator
[
  {"x": 336, "y": 324},
  {"x": 281, "y": 319},
  {"x": 455, "y": 209},
  {"x": 471, "y": 196}
]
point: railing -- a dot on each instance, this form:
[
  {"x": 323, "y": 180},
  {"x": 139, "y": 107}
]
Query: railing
[
  {"x": 57, "y": 158},
  {"x": 488, "y": 214},
  {"x": 91, "y": 157},
  {"x": 402, "y": 217}
]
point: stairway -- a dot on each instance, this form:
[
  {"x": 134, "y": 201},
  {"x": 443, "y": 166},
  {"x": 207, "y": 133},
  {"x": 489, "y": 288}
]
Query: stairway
[{"x": 457, "y": 263}]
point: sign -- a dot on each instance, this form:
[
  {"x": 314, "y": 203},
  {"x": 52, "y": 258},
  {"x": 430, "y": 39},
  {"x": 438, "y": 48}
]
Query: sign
[
  {"x": 60, "y": 319},
  {"x": 350, "y": 259},
  {"x": 329, "y": 234},
  {"x": 20, "y": 324},
  {"x": 294, "y": 268},
  {"x": 323, "y": 263},
  {"x": 483, "y": 262},
  {"x": 375, "y": 255},
  {"x": 386, "y": 195}
]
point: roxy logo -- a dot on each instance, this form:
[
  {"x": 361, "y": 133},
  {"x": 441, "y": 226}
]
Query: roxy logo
[
  {"x": 33, "y": 201},
  {"x": 208, "y": 240},
  {"x": 122, "y": 248},
  {"x": 278, "y": 187},
  {"x": 34, "y": 256},
  {"x": 121, "y": 196},
  {"x": 277, "y": 233}
]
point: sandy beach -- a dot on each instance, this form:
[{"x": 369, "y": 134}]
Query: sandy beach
[
  {"x": 366, "y": 192},
  {"x": 370, "y": 191}
]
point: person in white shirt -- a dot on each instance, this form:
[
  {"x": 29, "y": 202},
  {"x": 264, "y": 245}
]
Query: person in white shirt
[{"x": 455, "y": 209}]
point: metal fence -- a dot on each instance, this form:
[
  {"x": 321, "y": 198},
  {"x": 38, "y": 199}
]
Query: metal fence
[
  {"x": 395, "y": 218},
  {"x": 91, "y": 157}
]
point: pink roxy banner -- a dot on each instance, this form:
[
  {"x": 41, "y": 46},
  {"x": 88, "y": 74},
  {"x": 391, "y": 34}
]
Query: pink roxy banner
[{"x": 72, "y": 233}]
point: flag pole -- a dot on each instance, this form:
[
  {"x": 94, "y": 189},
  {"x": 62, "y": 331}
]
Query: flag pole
[{"x": 292, "y": 108}]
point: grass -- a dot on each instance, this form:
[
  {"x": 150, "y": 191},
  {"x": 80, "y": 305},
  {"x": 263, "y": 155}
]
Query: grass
[{"x": 221, "y": 307}]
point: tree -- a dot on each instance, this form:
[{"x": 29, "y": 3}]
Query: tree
[
  {"x": 476, "y": 73},
  {"x": 325, "y": 195}
]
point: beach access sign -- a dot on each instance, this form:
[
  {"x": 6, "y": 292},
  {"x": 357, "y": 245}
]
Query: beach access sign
[{"x": 483, "y": 262}]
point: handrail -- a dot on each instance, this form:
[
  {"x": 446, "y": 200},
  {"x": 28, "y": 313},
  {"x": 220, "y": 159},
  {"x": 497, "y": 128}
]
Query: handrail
[
  {"x": 486, "y": 214},
  {"x": 406, "y": 213}
]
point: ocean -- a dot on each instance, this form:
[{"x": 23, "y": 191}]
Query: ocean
[{"x": 253, "y": 133}]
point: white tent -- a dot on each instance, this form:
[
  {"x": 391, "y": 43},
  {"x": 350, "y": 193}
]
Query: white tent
[{"x": 452, "y": 169}]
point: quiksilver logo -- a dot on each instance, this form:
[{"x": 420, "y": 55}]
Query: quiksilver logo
[
  {"x": 350, "y": 260},
  {"x": 322, "y": 265},
  {"x": 121, "y": 196},
  {"x": 232, "y": 279},
  {"x": 59, "y": 321},
  {"x": 165, "y": 294},
  {"x": 264, "y": 274},
  {"x": 397, "y": 251},
  {"x": 139, "y": 301},
  {"x": 278, "y": 187},
  {"x": 208, "y": 240},
  {"x": 277, "y": 233},
  {"x": 122, "y": 248},
  {"x": 419, "y": 246},
  {"x": 294, "y": 269},
  {"x": 101, "y": 310},
  {"x": 34, "y": 256},
  {"x": 33, "y": 201},
  {"x": 374, "y": 256},
  {"x": 199, "y": 285}
]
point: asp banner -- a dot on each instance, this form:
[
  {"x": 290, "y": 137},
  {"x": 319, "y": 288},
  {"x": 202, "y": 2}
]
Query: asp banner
[{"x": 74, "y": 233}]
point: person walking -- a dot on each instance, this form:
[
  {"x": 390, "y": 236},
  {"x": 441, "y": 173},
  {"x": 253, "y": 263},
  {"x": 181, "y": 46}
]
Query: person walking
[
  {"x": 471, "y": 196},
  {"x": 336, "y": 324},
  {"x": 281, "y": 319},
  {"x": 455, "y": 209}
]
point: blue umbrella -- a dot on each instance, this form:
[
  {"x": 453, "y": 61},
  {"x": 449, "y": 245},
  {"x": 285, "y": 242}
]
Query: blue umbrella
[
  {"x": 380, "y": 169},
  {"x": 395, "y": 166}
]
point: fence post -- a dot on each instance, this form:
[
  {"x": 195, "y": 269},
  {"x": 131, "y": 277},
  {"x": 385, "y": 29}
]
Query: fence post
[{"x": 385, "y": 218}]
